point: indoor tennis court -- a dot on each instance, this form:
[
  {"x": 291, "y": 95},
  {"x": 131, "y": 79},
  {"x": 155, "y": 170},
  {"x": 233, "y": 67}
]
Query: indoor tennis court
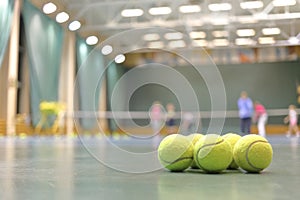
[{"x": 92, "y": 91}]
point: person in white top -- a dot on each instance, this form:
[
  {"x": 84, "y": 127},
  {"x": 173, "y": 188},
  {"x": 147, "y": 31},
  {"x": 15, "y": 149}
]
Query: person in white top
[{"x": 292, "y": 119}]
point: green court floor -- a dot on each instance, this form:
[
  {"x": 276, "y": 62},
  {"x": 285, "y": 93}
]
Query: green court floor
[{"x": 84, "y": 168}]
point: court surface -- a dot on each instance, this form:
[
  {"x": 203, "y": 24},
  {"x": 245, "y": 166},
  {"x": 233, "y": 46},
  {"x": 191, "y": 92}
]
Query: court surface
[{"x": 62, "y": 168}]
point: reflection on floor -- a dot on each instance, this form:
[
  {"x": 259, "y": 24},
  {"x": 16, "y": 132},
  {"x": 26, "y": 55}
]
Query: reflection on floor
[{"x": 127, "y": 168}]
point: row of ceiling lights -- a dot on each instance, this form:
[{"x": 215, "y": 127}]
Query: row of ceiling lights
[
  {"x": 217, "y": 34},
  {"x": 215, "y": 7},
  {"x": 63, "y": 17},
  {"x": 199, "y": 36}
]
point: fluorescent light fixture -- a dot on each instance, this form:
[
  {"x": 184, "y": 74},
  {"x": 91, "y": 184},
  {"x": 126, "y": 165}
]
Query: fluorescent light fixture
[
  {"x": 106, "y": 50},
  {"x": 151, "y": 37},
  {"x": 197, "y": 34},
  {"x": 245, "y": 32},
  {"x": 271, "y": 31},
  {"x": 92, "y": 40},
  {"x": 247, "y": 20},
  {"x": 251, "y": 5},
  {"x": 49, "y": 8},
  {"x": 244, "y": 41},
  {"x": 215, "y": 7},
  {"x": 75, "y": 25},
  {"x": 278, "y": 3},
  {"x": 189, "y": 9},
  {"x": 195, "y": 22},
  {"x": 266, "y": 40},
  {"x": 156, "y": 45},
  {"x": 293, "y": 40},
  {"x": 220, "y": 42},
  {"x": 62, "y": 17},
  {"x": 200, "y": 43},
  {"x": 120, "y": 58},
  {"x": 219, "y": 34},
  {"x": 132, "y": 12},
  {"x": 160, "y": 10},
  {"x": 177, "y": 44},
  {"x": 173, "y": 36}
]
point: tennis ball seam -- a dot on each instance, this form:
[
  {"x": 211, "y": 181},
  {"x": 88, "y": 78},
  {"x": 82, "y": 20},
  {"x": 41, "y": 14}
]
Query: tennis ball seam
[
  {"x": 175, "y": 161},
  {"x": 206, "y": 145},
  {"x": 247, "y": 152}
]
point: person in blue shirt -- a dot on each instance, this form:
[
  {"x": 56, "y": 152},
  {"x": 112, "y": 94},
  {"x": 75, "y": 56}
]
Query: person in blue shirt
[{"x": 245, "y": 106}]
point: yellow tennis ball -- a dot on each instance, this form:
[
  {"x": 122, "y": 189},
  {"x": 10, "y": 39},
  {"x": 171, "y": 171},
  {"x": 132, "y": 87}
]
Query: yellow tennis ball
[
  {"x": 194, "y": 138},
  {"x": 175, "y": 152},
  {"x": 253, "y": 153},
  {"x": 232, "y": 139},
  {"x": 213, "y": 153}
]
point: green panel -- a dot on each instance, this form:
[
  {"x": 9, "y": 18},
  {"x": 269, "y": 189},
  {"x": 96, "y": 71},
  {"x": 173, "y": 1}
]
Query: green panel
[
  {"x": 273, "y": 84},
  {"x": 44, "y": 39},
  {"x": 113, "y": 73},
  {"x": 144, "y": 97},
  {"x": 90, "y": 66},
  {"x": 6, "y": 11}
]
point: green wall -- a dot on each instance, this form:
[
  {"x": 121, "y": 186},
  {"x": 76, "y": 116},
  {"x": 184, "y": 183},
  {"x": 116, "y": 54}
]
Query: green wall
[{"x": 273, "y": 84}]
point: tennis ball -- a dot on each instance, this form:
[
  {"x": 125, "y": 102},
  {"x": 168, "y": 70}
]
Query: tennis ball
[
  {"x": 175, "y": 152},
  {"x": 194, "y": 138},
  {"x": 253, "y": 153},
  {"x": 213, "y": 153},
  {"x": 232, "y": 139}
]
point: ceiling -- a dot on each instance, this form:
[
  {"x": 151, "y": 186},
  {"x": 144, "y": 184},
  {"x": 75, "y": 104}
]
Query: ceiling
[{"x": 103, "y": 18}]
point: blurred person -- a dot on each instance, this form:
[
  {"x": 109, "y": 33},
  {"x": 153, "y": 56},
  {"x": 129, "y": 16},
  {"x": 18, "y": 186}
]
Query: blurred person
[
  {"x": 292, "y": 119},
  {"x": 188, "y": 123},
  {"x": 261, "y": 118},
  {"x": 156, "y": 115},
  {"x": 170, "y": 118},
  {"x": 245, "y": 107}
]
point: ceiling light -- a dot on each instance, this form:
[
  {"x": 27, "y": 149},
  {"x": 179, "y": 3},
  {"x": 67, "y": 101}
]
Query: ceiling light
[
  {"x": 245, "y": 32},
  {"x": 251, "y": 4},
  {"x": 219, "y": 34},
  {"x": 215, "y": 7},
  {"x": 271, "y": 31},
  {"x": 189, "y": 9},
  {"x": 266, "y": 40},
  {"x": 200, "y": 43},
  {"x": 62, "y": 17},
  {"x": 195, "y": 22},
  {"x": 293, "y": 40},
  {"x": 177, "y": 44},
  {"x": 92, "y": 40},
  {"x": 197, "y": 34},
  {"x": 173, "y": 36},
  {"x": 156, "y": 45},
  {"x": 247, "y": 20},
  {"x": 75, "y": 25},
  {"x": 278, "y": 3},
  {"x": 160, "y": 11},
  {"x": 151, "y": 37},
  {"x": 120, "y": 58},
  {"x": 106, "y": 50},
  {"x": 220, "y": 42},
  {"x": 244, "y": 41},
  {"x": 132, "y": 12},
  {"x": 49, "y": 8}
]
